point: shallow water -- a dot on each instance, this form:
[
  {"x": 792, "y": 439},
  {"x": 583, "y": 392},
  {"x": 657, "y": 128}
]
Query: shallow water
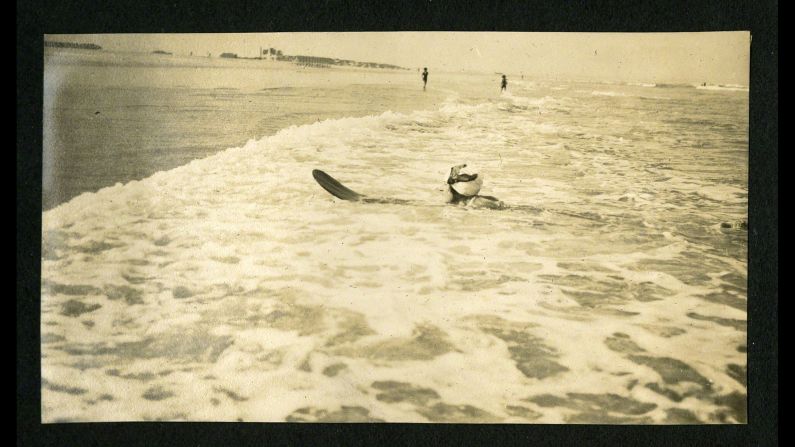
[{"x": 612, "y": 289}]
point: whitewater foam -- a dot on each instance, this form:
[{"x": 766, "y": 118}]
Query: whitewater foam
[{"x": 235, "y": 287}]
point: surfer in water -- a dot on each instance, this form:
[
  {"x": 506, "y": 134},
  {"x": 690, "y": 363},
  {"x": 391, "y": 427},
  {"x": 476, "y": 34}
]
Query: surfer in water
[
  {"x": 424, "y": 78},
  {"x": 463, "y": 189},
  {"x": 504, "y": 85}
]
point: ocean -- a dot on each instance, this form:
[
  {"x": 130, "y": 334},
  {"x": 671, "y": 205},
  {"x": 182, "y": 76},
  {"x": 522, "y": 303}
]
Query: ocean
[{"x": 192, "y": 269}]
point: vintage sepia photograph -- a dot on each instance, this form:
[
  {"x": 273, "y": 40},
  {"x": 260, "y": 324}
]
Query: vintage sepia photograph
[{"x": 422, "y": 227}]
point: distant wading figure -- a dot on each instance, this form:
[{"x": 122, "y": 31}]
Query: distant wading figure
[
  {"x": 424, "y": 78},
  {"x": 504, "y": 85}
]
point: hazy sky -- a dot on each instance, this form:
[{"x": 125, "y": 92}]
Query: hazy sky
[{"x": 715, "y": 57}]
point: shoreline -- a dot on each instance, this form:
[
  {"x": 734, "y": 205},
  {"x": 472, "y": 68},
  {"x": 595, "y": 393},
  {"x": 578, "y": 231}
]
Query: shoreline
[{"x": 104, "y": 58}]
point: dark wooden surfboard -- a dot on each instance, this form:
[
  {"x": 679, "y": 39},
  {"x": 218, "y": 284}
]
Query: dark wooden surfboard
[{"x": 334, "y": 187}]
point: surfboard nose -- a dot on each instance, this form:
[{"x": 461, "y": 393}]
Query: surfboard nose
[{"x": 334, "y": 187}]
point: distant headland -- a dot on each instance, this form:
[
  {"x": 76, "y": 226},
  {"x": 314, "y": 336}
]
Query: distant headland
[
  {"x": 266, "y": 54},
  {"x": 312, "y": 61},
  {"x": 82, "y": 46}
]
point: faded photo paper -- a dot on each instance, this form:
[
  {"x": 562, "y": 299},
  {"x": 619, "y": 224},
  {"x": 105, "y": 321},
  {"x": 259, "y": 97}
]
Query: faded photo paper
[{"x": 395, "y": 227}]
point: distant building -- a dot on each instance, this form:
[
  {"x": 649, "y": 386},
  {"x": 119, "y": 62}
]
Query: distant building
[
  {"x": 271, "y": 53},
  {"x": 229, "y": 55}
]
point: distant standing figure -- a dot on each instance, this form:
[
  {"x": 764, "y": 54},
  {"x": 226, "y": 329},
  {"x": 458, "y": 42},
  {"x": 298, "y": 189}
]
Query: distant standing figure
[
  {"x": 504, "y": 85},
  {"x": 424, "y": 77}
]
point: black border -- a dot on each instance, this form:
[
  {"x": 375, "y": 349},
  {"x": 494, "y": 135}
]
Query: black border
[{"x": 36, "y": 17}]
